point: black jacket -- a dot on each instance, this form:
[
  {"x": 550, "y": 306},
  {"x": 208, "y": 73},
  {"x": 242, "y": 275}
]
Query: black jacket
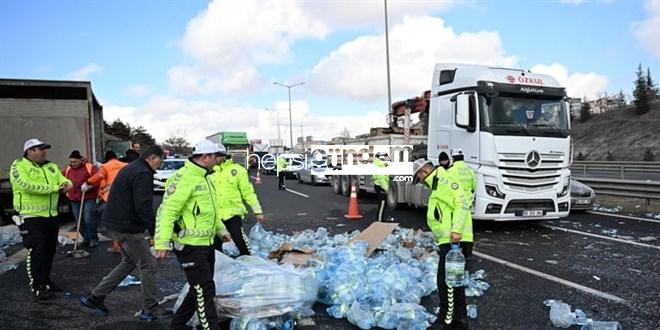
[{"x": 130, "y": 204}]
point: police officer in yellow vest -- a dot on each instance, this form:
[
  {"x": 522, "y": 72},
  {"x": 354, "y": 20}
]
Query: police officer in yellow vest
[
  {"x": 447, "y": 216},
  {"x": 381, "y": 184},
  {"x": 233, "y": 187},
  {"x": 282, "y": 164},
  {"x": 465, "y": 176},
  {"x": 36, "y": 184},
  {"x": 188, "y": 220}
]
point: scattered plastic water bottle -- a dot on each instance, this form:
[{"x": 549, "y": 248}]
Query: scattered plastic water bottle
[
  {"x": 129, "y": 280},
  {"x": 455, "y": 267},
  {"x": 601, "y": 325},
  {"x": 560, "y": 313},
  {"x": 472, "y": 311}
]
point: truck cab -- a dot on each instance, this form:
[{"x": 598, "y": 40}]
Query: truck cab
[{"x": 513, "y": 126}]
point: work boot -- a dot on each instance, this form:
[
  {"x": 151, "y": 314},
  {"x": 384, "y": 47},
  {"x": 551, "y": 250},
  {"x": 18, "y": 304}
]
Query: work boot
[
  {"x": 95, "y": 303},
  {"x": 154, "y": 314},
  {"x": 42, "y": 293}
]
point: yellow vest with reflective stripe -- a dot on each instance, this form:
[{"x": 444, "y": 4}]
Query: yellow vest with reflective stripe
[
  {"x": 447, "y": 210},
  {"x": 233, "y": 187},
  {"x": 36, "y": 188}
]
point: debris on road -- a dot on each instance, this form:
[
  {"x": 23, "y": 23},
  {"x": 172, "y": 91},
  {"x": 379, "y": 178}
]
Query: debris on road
[
  {"x": 562, "y": 317},
  {"x": 551, "y": 262},
  {"x": 647, "y": 238},
  {"x": 376, "y": 277},
  {"x": 472, "y": 311},
  {"x": 129, "y": 280},
  {"x": 10, "y": 235}
]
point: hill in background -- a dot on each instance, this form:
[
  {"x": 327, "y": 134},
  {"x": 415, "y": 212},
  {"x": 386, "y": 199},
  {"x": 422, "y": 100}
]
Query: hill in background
[{"x": 620, "y": 131}]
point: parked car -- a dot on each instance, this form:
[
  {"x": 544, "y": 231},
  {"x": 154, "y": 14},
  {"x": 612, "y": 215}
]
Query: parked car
[
  {"x": 582, "y": 196},
  {"x": 308, "y": 174},
  {"x": 165, "y": 170}
]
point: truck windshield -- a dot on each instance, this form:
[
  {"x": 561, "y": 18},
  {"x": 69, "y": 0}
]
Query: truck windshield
[{"x": 523, "y": 115}]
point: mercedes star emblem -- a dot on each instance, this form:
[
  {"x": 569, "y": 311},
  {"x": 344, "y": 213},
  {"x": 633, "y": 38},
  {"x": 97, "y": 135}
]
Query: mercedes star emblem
[{"x": 533, "y": 159}]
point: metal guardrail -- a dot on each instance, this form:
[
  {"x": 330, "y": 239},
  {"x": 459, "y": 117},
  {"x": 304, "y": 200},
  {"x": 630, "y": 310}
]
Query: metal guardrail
[
  {"x": 582, "y": 167},
  {"x": 624, "y": 188}
]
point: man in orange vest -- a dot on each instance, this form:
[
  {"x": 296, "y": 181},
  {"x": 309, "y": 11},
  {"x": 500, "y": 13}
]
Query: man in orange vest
[
  {"x": 104, "y": 179},
  {"x": 78, "y": 172}
]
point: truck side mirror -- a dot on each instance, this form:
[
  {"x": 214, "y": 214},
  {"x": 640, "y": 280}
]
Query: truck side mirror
[{"x": 462, "y": 107}]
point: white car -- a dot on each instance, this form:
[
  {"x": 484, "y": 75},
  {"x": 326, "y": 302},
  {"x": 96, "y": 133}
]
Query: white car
[{"x": 165, "y": 170}]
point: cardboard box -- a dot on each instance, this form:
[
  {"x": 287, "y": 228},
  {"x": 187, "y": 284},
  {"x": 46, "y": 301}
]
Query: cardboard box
[{"x": 375, "y": 234}]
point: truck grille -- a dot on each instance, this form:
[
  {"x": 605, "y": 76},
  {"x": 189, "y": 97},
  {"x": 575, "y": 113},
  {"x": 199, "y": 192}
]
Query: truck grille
[{"x": 518, "y": 175}]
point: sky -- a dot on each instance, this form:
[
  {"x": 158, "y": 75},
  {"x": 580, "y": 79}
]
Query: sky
[{"x": 193, "y": 68}]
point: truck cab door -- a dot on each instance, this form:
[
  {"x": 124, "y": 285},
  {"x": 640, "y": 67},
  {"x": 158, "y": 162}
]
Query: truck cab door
[{"x": 464, "y": 132}]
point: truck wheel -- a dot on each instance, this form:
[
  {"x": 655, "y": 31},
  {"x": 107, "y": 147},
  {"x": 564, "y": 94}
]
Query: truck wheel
[
  {"x": 299, "y": 178},
  {"x": 392, "y": 197},
  {"x": 313, "y": 181},
  {"x": 345, "y": 185},
  {"x": 336, "y": 185}
]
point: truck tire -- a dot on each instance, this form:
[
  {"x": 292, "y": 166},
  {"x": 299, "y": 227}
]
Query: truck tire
[
  {"x": 345, "y": 185},
  {"x": 299, "y": 178},
  {"x": 392, "y": 197},
  {"x": 336, "y": 184},
  {"x": 313, "y": 181}
]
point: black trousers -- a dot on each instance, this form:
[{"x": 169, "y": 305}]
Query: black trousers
[
  {"x": 40, "y": 239},
  {"x": 280, "y": 180},
  {"x": 453, "y": 313},
  {"x": 197, "y": 262},
  {"x": 381, "y": 194},
  {"x": 235, "y": 228}
]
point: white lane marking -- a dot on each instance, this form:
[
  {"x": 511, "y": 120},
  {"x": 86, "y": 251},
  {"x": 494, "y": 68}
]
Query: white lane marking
[
  {"x": 331, "y": 218},
  {"x": 301, "y": 214},
  {"x": 551, "y": 278},
  {"x": 624, "y": 216},
  {"x": 601, "y": 236},
  {"x": 296, "y": 192}
]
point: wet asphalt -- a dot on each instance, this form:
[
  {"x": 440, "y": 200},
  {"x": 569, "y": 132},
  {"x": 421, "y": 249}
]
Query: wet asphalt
[{"x": 610, "y": 268}]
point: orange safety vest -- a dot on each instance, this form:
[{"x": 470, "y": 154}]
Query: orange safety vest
[{"x": 106, "y": 176}]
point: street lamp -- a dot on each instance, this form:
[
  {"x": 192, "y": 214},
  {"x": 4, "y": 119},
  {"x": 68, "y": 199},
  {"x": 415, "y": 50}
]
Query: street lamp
[{"x": 290, "y": 121}]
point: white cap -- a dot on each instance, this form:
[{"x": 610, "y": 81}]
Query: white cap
[
  {"x": 205, "y": 147},
  {"x": 456, "y": 152},
  {"x": 381, "y": 155},
  {"x": 221, "y": 148},
  {"x": 418, "y": 165},
  {"x": 31, "y": 143}
]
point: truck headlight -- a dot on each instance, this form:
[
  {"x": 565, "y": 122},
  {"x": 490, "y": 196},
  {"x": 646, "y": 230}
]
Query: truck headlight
[
  {"x": 493, "y": 191},
  {"x": 564, "y": 191}
]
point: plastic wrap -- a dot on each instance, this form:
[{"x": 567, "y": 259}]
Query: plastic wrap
[{"x": 252, "y": 287}]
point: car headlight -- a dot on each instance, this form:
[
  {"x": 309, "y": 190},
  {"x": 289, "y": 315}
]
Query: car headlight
[
  {"x": 493, "y": 191},
  {"x": 564, "y": 191}
]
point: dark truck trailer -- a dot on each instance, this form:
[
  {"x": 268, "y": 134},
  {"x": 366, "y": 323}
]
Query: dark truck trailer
[{"x": 65, "y": 114}]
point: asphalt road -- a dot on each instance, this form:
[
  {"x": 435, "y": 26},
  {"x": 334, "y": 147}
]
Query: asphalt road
[{"x": 580, "y": 260}]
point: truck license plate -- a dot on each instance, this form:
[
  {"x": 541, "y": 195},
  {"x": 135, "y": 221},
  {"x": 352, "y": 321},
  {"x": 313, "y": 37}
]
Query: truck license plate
[
  {"x": 532, "y": 213},
  {"x": 583, "y": 201}
]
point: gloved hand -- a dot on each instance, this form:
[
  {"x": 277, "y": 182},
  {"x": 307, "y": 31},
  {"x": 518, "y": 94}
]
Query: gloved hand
[
  {"x": 260, "y": 217},
  {"x": 85, "y": 187}
]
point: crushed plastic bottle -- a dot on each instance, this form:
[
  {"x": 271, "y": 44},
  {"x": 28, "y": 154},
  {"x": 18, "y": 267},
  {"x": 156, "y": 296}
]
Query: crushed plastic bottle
[
  {"x": 472, "y": 311},
  {"x": 10, "y": 235},
  {"x": 601, "y": 325},
  {"x": 129, "y": 280},
  {"x": 560, "y": 313},
  {"x": 5, "y": 267},
  {"x": 404, "y": 316},
  {"x": 3, "y": 256},
  {"x": 455, "y": 267},
  {"x": 230, "y": 249}
]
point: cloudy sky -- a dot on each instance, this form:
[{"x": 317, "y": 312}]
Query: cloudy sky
[{"x": 192, "y": 68}]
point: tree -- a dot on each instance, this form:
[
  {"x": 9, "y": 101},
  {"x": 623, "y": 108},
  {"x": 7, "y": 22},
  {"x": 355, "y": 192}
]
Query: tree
[
  {"x": 648, "y": 156},
  {"x": 641, "y": 92},
  {"x": 141, "y": 136},
  {"x": 585, "y": 111},
  {"x": 621, "y": 98},
  {"x": 652, "y": 89},
  {"x": 177, "y": 145},
  {"x": 119, "y": 129}
]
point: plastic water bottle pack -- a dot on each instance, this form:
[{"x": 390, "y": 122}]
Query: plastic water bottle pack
[{"x": 10, "y": 235}]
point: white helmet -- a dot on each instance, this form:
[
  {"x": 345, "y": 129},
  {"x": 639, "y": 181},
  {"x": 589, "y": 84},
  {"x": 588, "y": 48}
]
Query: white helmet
[
  {"x": 221, "y": 148},
  {"x": 205, "y": 147},
  {"x": 456, "y": 152},
  {"x": 418, "y": 165}
]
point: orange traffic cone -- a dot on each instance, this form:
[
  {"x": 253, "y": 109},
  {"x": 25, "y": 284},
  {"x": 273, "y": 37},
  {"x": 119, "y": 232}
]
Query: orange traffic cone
[
  {"x": 353, "y": 210},
  {"x": 258, "y": 179},
  {"x": 116, "y": 247}
]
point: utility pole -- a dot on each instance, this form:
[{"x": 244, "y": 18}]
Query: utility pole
[
  {"x": 290, "y": 116},
  {"x": 387, "y": 57},
  {"x": 302, "y": 137}
]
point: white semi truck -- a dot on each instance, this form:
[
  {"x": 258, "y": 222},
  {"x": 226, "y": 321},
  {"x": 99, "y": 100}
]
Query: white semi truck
[{"x": 513, "y": 127}]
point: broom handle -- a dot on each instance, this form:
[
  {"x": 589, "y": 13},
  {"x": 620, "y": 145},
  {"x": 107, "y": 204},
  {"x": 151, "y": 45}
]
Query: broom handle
[{"x": 80, "y": 212}]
